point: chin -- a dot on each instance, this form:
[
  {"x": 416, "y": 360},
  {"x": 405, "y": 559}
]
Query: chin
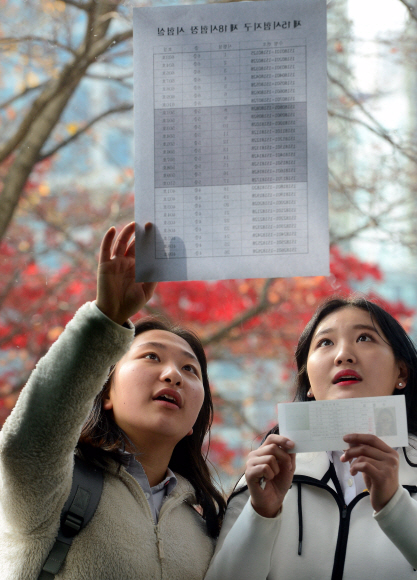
[{"x": 345, "y": 395}]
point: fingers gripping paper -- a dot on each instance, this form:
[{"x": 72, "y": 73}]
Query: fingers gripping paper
[{"x": 321, "y": 425}]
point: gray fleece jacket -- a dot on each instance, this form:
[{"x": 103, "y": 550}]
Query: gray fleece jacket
[{"x": 37, "y": 445}]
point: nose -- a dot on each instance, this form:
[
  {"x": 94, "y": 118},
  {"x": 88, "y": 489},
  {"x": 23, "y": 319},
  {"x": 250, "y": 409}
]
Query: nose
[
  {"x": 344, "y": 354},
  {"x": 171, "y": 374}
]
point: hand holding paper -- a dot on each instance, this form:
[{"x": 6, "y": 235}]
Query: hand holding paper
[
  {"x": 321, "y": 425},
  {"x": 118, "y": 295},
  {"x": 371, "y": 427},
  {"x": 271, "y": 463},
  {"x": 377, "y": 462}
]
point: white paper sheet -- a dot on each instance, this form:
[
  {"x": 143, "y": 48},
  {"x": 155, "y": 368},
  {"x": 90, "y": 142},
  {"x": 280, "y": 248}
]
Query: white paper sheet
[
  {"x": 321, "y": 425},
  {"x": 231, "y": 140}
]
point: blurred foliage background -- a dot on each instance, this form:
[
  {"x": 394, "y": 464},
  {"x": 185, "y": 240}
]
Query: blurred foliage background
[{"x": 66, "y": 175}]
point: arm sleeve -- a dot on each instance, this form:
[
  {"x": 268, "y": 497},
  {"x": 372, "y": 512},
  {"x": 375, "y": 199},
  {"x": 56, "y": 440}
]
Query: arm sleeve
[
  {"x": 38, "y": 438},
  {"x": 245, "y": 544},
  {"x": 398, "y": 520}
]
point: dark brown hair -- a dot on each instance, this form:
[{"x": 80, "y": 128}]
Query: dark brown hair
[{"x": 102, "y": 439}]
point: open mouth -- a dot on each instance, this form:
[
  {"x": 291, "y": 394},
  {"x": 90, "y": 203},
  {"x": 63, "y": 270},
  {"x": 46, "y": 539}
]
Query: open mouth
[
  {"x": 347, "y": 378},
  {"x": 172, "y": 399}
]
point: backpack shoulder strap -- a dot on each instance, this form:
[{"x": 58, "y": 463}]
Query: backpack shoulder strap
[{"x": 87, "y": 485}]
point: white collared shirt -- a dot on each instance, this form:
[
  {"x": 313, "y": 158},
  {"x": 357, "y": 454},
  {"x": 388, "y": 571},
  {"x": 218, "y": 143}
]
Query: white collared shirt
[
  {"x": 156, "y": 494},
  {"x": 351, "y": 485}
]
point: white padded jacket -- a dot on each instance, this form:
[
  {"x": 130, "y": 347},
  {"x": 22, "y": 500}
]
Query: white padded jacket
[{"x": 317, "y": 537}]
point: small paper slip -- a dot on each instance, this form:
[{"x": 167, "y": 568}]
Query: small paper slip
[{"x": 321, "y": 425}]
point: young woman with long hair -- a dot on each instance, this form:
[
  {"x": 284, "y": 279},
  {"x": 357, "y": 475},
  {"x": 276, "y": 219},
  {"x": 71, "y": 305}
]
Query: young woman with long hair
[
  {"x": 346, "y": 514},
  {"x": 135, "y": 402}
]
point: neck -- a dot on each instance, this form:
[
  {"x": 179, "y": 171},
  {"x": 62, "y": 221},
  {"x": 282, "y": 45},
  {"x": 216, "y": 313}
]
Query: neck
[{"x": 154, "y": 460}]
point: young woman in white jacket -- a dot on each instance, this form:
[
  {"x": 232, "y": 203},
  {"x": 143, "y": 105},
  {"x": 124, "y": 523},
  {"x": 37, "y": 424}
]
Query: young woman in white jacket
[
  {"x": 350, "y": 514},
  {"x": 159, "y": 511}
]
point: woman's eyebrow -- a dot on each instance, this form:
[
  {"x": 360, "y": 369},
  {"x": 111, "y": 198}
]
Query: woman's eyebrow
[
  {"x": 355, "y": 327},
  {"x": 164, "y": 347},
  {"x": 365, "y": 327},
  {"x": 324, "y": 331}
]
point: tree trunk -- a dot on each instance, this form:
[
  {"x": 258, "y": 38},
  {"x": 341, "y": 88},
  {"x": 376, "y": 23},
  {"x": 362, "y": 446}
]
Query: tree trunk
[{"x": 47, "y": 109}]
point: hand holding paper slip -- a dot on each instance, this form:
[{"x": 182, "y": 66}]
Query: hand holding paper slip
[{"x": 321, "y": 425}]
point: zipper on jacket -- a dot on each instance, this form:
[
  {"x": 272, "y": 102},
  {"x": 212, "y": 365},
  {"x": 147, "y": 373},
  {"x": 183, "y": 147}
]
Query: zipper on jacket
[
  {"x": 344, "y": 521},
  {"x": 159, "y": 543},
  {"x": 342, "y": 539},
  {"x": 300, "y": 521}
]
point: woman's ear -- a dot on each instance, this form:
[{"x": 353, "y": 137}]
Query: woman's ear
[
  {"x": 402, "y": 375},
  {"x": 107, "y": 403}
]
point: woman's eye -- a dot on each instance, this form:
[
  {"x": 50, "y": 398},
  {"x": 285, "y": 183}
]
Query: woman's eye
[
  {"x": 152, "y": 356},
  {"x": 364, "y": 338},
  {"x": 324, "y": 342},
  {"x": 190, "y": 368}
]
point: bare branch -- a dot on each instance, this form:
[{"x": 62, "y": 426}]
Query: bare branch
[
  {"x": 380, "y": 130},
  {"x": 46, "y": 110},
  {"x": 121, "y": 37},
  {"x": 384, "y": 135},
  {"x": 372, "y": 223},
  {"x": 80, "y": 5},
  {"x": 109, "y": 77},
  {"x": 20, "y": 95},
  {"x": 56, "y": 89},
  {"x": 39, "y": 39},
  {"x": 65, "y": 142},
  {"x": 262, "y": 305}
]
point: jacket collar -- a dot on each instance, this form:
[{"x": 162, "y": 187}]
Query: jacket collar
[{"x": 183, "y": 488}]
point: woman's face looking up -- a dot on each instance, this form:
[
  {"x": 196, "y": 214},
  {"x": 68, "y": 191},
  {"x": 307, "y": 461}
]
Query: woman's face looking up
[
  {"x": 157, "y": 390},
  {"x": 350, "y": 357}
]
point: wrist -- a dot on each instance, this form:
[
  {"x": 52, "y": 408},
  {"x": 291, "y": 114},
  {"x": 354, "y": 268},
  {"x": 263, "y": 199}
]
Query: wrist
[
  {"x": 267, "y": 512},
  {"x": 114, "y": 316},
  {"x": 382, "y": 502}
]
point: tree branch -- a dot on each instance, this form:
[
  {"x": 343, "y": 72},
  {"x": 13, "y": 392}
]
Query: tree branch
[
  {"x": 80, "y": 5},
  {"x": 20, "y": 95},
  {"x": 337, "y": 239},
  {"x": 65, "y": 142},
  {"x": 39, "y": 39},
  {"x": 380, "y": 131},
  {"x": 262, "y": 305},
  {"x": 46, "y": 110},
  {"x": 119, "y": 78},
  {"x": 383, "y": 135},
  {"x": 86, "y": 55}
]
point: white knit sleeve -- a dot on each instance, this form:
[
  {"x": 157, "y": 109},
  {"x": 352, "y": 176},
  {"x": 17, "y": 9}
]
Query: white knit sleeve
[
  {"x": 245, "y": 544},
  {"x": 398, "y": 520}
]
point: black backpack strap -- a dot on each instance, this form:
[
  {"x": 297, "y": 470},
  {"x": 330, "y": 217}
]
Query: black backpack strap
[{"x": 87, "y": 485}]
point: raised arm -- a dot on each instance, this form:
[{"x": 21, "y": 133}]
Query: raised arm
[{"x": 38, "y": 439}]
